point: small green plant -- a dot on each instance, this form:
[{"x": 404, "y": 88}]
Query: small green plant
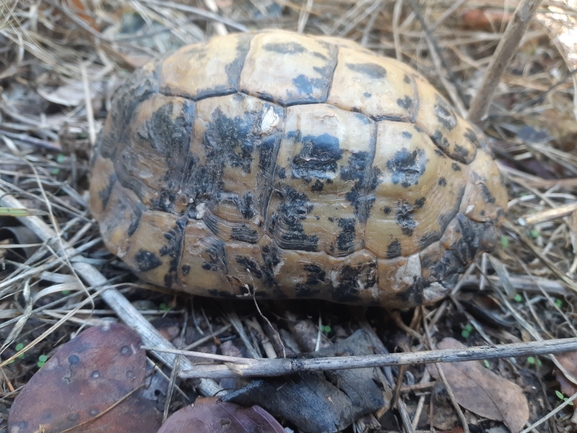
[
  {"x": 504, "y": 241},
  {"x": 466, "y": 332},
  {"x": 164, "y": 307},
  {"x": 18, "y": 348},
  {"x": 518, "y": 298},
  {"x": 534, "y": 234},
  {"x": 561, "y": 397},
  {"x": 558, "y": 303},
  {"x": 42, "y": 360},
  {"x": 486, "y": 364},
  {"x": 326, "y": 329},
  {"x": 60, "y": 158},
  {"x": 532, "y": 361}
]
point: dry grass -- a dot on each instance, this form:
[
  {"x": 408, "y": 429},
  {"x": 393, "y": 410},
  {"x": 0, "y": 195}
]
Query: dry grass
[{"x": 60, "y": 61}]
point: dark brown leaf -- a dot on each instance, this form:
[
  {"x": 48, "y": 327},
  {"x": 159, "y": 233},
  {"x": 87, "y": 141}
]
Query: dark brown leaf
[
  {"x": 481, "y": 391},
  {"x": 84, "y": 378},
  {"x": 208, "y": 415}
]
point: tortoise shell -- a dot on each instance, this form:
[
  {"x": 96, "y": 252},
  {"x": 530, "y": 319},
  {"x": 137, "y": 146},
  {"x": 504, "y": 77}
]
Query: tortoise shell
[{"x": 290, "y": 166}]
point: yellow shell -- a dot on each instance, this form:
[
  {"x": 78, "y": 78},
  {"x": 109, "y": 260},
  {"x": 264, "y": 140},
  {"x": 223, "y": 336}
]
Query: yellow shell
[{"x": 293, "y": 166}]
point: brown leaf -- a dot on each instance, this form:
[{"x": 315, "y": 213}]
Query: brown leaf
[
  {"x": 569, "y": 362},
  {"x": 483, "y": 392},
  {"x": 84, "y": 378},
  {"x": 208, "y": 415}
]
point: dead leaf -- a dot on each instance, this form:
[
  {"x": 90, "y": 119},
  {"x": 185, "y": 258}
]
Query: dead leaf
[
  {"x": 481, "y": 391},
  {"x": 84, "y": 378},
  {"x": 208, "y": 415},
  {"x": 319, "y": 401},
  {"x": 569, "y": 362}
]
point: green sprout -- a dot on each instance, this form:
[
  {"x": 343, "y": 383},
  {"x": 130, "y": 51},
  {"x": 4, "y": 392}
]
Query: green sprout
[
  {"x": 561, "y": 397},
  {"x": 532, "y": 361},
  {"x": 558, "y": 303},
  {"x": 534, "y": 234},
  {"x": 518, "y": 298},
  {"x": 504, "y": 241},
  {"x": 326, "y": 329},
  {"x": 60, "y": 158},
  {"x": 486, "y": 364},
  {"x": 466, "y": 332},
  {"x": 164, "y": 307},
  {"x": 42, "y": 360}
]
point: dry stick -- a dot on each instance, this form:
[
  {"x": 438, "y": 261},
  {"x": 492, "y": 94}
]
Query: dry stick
[
  {"x": 548, "y": 215},
  {"x": 278, "y": 367},
  {"x": 125, "y": 311},
  {"x": 521, "y": 18}
]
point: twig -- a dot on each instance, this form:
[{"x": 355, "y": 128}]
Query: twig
[
  {"x": 205, "y": 14},
  {"x": 125, "y": 311},
  {"x": 519, "y": 22},
  {"x": 548, "y": 215},
  {"x": 280, "y": 367}
]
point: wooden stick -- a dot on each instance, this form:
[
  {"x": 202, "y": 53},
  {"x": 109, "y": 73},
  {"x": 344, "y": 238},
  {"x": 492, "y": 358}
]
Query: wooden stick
[
  {"x": 548, "y": 215},
  {"x": 283, "y": 366},
  {"x": 520, "y": 20},
  {"x": 116, "y": 301}
]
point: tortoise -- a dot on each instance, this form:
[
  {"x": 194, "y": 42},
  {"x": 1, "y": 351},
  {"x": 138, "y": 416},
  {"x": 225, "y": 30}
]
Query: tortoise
[{"x": 281, "y": 165}]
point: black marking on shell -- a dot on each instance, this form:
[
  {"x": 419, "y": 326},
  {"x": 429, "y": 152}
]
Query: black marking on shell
[
  {"x": 317, "y": 158},
  {"x": 407, "y": 167},
  {"x": 230, "y": 140},
  {"x": 282, "y": 173},
  {"x": 185, "y": 269},
  {"x": 250, "y": 265},
  {"x": 216, "y": 257},
  {"x": 234, "y": 68},
  {"x": 285, "y": 47},
  {"x": 286, "y": 226},
  {"x": 360, "y": 169},
  {"x": 420, "y": 202},
  {"x": 317, "y": 186},
  {"x": 405, "y": 103},
  {"x": 428, "y": 238},
  {"x": 354, "y": 278},
  {"x": 462, "y": 154},
  {"x": 455, "y": 166},
  {"x": 146, "y": 260},
  {"x": 137, "y": 88},
  {"x": 173, "y": 249},
  {"x": 315, "y": 274},
  {"x": 394, "y": 249},
  {"x": 442, "y": 181},
  {"x": 404, "y": 218},
  {"x": 105, "y": 193},
  {"x": 371, "y": 70},
  {"x": 387, "y": 210},
  {"x": 407, "y": 134},
  {"x": 472, "y": 137},
  {"x": 486, "y": 194},
  {"x": 244, "y": 233},
  {"x": 270, "y": 257},
  {"x": 445, "y": 218},
  {"x": 406, "y": 79},
  {"x": 135, "y": 218},
  {"x": 440, "y": 153},
  {"x": 347, "y": 236},
  {"x": 444, "y": 113},
  {"x": 367, "y": 95}
]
